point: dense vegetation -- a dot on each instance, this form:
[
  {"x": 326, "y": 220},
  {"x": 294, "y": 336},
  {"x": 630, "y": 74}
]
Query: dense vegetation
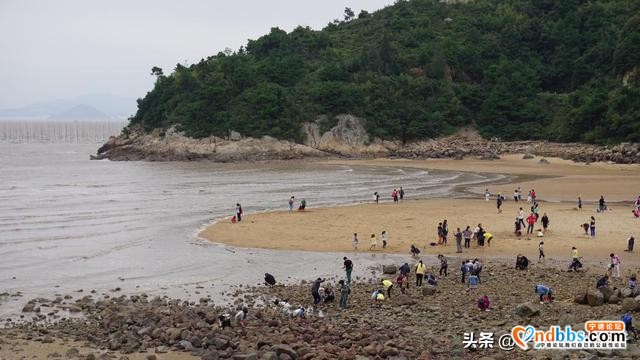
[{"x": 514, "y": 69}]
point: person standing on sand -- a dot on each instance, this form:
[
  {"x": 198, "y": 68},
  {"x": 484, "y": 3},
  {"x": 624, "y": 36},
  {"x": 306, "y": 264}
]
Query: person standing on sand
[
  {"x": 394, "y": 195},
  {"x": 601, "y": 204},
  {"x": 376, "y": 197},
  {"x": 592, "y": 227},
  {"x": 521, "y": 217},
  {"x": 467, "y": 234},
  {"x": 580, "y": 202},
  {"x": 374, "y": 242},
  {"x": 440, "y": 233},
  {"x": 518, "y": 228},
  {"x": 545, "y": 222},
  {"x": 541, "y": 250},
  {"x": 445, "y": 231},
  {"x": 529, "y": 197},
  {"x": 458, "y": 236},
  {"x": 291, "y": 204},
  {"x": 355, "y": 241},
  {"x": 531, "y": 220},
  {"x": 348, "y": 268},
  {"x": 421, "y": 269},
  {"x": 533, "y": 195},
  {"x": 487, "y": 194},
  {"x": 464, "y": 270},
  {"x": 238, "y": 212},
  {"x": 499, "y": 203},
  {"x": 630, "y": 242},
  {"x": 515, "y": 195},
  {"x": 401, "y": 193},
  {"x": 385, "y": 239}
]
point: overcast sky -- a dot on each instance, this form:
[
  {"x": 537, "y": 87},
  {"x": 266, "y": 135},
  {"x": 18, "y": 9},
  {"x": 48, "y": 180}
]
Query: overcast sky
[{"x": 67, "y": 48}]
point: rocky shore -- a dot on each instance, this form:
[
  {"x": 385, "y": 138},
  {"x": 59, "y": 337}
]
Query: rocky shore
[
  {"x": 426, "y": 323},
  {"x": 347, "y": 139}
]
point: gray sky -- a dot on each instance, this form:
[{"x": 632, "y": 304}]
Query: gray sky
[{"x": 67, "y": 48}]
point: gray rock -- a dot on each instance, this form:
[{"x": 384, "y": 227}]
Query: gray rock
[
  {"x": 186, "y": 345},
  {"x": 594, "y": 297},
  {"x": 161, "y": 349},
  {"x": 284, "y": 349},
  {"x": 389, "y": 269},
  {"x": 544, "y": 161},
  {"x": 429, "y": 290},
  {"x": 607, "y": 292},
  {"x": 72, "y": 353},
  {"x": 527, "y": 310},
  {"x": 527, "y": 156},
  {"x": 629, "y": 304}
]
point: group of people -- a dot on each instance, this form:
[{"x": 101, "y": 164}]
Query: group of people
[
  {"x": 397, "y": 195},
  {"x": 373, "y": 244}
]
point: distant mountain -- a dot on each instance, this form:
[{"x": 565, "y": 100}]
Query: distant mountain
[
  {"x": 113, "y": 106},
  {"x": 81, "y": 112}
]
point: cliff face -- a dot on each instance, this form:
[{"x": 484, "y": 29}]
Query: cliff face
[{"x": 348, "y": 138}]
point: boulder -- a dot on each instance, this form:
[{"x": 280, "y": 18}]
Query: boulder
[
  {"x": 284, "y": 349},
  {"x": 629, "y": 304},
  {"x": 613, "y": 299},
  {"x": 527, "y": 156},
  {"x": 626, "y": 292},
  {"x": 404, "y": 300},
  {"x": 607, "y": 292},
  {"x": 595, "y": 297},
  {"x": 580, "y": 298},
  {"x": 389, "y": 269},
  {"x": 429, "y": 290},
  {"x": 544, "y": 161},
  {"x": 527, "y": 309}
]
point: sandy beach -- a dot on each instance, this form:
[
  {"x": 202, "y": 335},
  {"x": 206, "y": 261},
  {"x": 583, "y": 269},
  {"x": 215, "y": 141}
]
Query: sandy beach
[{"x": 415, "y": 221}]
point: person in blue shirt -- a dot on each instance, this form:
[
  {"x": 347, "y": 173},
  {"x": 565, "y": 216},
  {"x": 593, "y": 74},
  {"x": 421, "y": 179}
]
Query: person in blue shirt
[
  {"x": 544, "y": 292},
  {"x": 627, "y": 319}
]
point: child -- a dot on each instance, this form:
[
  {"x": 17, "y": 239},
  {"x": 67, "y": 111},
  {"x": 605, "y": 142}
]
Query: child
[
  {"x": 541, "y": 250},
  {"x": 403, "y": 282},
  {"x": 632, "y": 282},
  {"x": 377, "y": 296},
  {"x": 585, "y": 227},
  {"x": 483, "y": 303},
  {"x": 385, "y": 239},
  {"x": 374, "y": 242},
  {"x": 544, "y": 292},
  {"x": 473, "y": 281},
  {"x": 224, "y": 321},
  {"x": 242, "y": 315},
  {"x": 355, "y": 241},
  {"x": 415, "y": 251}
]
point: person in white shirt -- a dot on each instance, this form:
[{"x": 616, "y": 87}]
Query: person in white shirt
[{"x": 242, "y": 315}]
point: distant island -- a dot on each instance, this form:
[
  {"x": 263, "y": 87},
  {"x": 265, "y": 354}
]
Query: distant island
[{"x": 564, "y": 71}]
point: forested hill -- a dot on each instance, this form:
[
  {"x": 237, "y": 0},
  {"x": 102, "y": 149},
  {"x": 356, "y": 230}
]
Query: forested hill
[{"x": 564, "y": 70}]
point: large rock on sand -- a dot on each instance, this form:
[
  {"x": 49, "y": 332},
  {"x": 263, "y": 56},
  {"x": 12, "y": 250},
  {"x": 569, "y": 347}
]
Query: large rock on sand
[
  {"x": 594, "y": 297},
  {"x": 607, "y": 292},
  {"x": 389, "y": 269},
  {"x": 527, "y": 309},
  {"x": 429, "y": 290},
  {"x": 580, "y": 298}
]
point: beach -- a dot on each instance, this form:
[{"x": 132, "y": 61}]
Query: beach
[{"x": 414, "y": 222}]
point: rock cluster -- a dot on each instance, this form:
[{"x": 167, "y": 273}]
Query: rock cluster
[{"x": 424, "y": 323}]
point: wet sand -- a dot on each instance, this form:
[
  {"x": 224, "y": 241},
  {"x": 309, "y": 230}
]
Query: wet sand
[{"x": 415, "y": 221}]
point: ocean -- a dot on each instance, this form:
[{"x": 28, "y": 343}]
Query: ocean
[{"x": 70, "y": 224}]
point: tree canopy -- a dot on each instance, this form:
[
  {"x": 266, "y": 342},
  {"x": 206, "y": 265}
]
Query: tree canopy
[{"x": 513, "y": 69}]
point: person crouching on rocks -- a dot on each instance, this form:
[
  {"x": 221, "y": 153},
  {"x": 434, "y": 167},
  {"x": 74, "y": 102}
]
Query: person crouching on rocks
[
  {"x": 632, "y": 282},
  {"x": 269, "y": 280},
  {"x": 315, "y": 291},
  {"x": 388, "y": 286},
  {"x": 544, "y": 292},
  {"x": 377, "y": 297},
  {"x": 224, "y": 321},
  {"x": 242, "y": 315},
  {"x": 329, "y": 295},
  {"x": 403, "y": 282},
  {"x": 483, "y": 303}
]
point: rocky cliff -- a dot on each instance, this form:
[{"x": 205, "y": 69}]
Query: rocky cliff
[{"x": 346, "y": 138}]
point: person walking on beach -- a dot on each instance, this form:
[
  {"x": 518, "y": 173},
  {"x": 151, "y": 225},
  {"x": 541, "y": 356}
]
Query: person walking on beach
[
  {"x": 374, "y": 242},
  {"x": 517, "y": 228},
  {"x": 376, "y": 197},
  {"x": 580, "y": 202},
  {"x": 515, "y": 195},
  {"x": 499, "y": 203},
  {"x": 533, "y": 195},
  {"x": 545, "y": 222},
  {"x": 291, "y": 204},
  {"x": 443, "y": 265},
  {"x": 529, "y": 197},
  {"x": 601, "y": 204},
  {"x": 592, "y": 227},
  {"x": 440, "y": 233},
  {"x": 519, "y": 194},
  {"x": 458, "y": 236},
  {"x": 467, "y": 234},
  {"x": 414, "y": 251},
  {"x": 445, "y": 231},
  {"x": 401, "y": 192},
  {"x": 521, "y": 217},
  {"x": 541, "y": 250},
  {"x": 385, "y": 239},
  {"x": 355, "y": 241},
  {"x": 344, "y": 294},
  {"x": 315, "y": 290},
  {"x": 531, "y": 220},
  {"x": 615, "y": 265},
  {"x": 421, "y": 269},
  {"x": 348, "y": 268},
  {"x": 238, "y": 212},
  {"x": 487, "y": 194},
  {"x": 394, "y": 195}
]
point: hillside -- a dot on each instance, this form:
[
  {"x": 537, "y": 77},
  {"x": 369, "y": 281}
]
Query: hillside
[{"x": 565, "y": 71}]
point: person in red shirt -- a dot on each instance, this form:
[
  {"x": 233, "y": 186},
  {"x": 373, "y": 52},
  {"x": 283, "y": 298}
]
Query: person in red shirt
[{"x": 531, "y": 220}]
